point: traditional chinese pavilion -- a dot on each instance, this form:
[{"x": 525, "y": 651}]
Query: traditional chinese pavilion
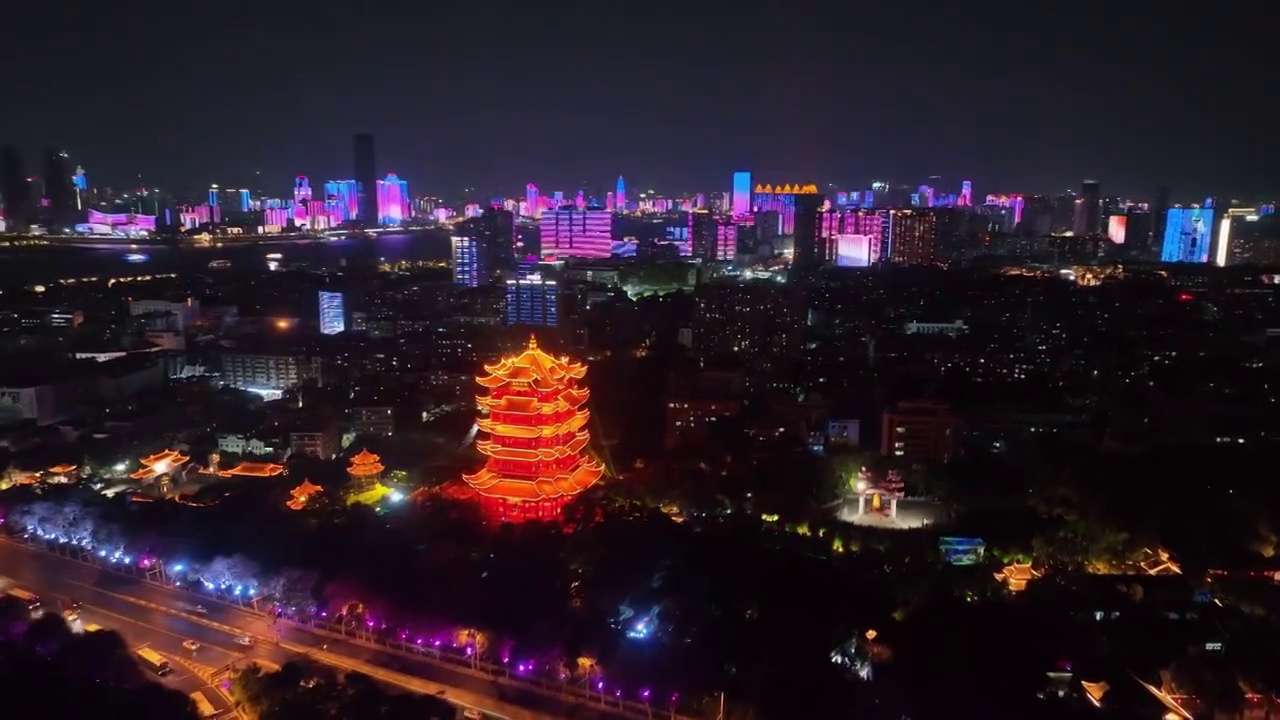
[
  {"x": 536, "y": 421},
  {"x": 159, "y": 464},
  {"x": 301, "y": 494},
  {"x": 366, "y": 469}
]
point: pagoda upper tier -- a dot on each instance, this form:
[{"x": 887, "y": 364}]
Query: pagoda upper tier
[{"x": 536, "y": 420}]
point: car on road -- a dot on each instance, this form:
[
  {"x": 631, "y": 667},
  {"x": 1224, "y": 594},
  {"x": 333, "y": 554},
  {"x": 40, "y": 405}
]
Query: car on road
[
  {"x": 472, "y": 714},
  {"x": 439, "y": 693},
  {"x": 244, "y": 640},
  {"x": 71, "y": 611},
  {"x": 191, "y": 645},
  {"x": 199, "y": 609}
]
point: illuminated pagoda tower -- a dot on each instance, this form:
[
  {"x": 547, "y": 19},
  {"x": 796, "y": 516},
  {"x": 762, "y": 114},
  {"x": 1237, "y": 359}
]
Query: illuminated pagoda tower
[
  {"x": 536, "y": 423},
  {"x": 365, "y": 470}
]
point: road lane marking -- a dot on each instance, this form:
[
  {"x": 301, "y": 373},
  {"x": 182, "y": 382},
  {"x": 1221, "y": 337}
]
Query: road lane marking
[{"x": 154, "y": 628}]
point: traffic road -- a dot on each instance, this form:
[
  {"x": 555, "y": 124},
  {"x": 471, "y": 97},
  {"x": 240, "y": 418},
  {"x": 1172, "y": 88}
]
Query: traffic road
[{"x": 117, "y": 596}]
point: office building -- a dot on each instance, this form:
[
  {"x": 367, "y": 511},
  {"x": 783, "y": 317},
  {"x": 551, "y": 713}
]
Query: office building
[
  {"x": 333, "y": 318},
  {"x": 533, "y": 201},
  {"x": 393, "y": 200},
  {"x": 620, "y": 195},
  {"x": 532, "y": 299},
  {"x": 568, "y": 232},
  {"x": 366, "y": 175}
]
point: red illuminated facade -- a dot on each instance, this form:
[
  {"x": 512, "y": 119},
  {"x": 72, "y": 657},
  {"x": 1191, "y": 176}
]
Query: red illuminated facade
[{"x": 535, "y": 419}]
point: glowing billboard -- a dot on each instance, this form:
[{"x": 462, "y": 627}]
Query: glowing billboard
[
  {"x": 1116, "y": 225},
  {"x": 1186, "y": 235},
  {"x": 854, "y": 250}
]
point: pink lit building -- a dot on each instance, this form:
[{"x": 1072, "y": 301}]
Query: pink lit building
[
  {"x": 533, "y": 199},
  {"x": 393, "y": 201},
  {"x": 301, "y": 190},
  {"x": 569, "y": 232}
]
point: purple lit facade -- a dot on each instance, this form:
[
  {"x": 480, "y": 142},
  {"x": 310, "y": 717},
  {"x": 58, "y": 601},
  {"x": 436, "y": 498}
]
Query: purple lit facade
[
  {"x": 620, "y": 195},
  {"x": 123, "y": 221},
  {"x": 568, "y": 232},
  {"x": 393, "y": 200},
  {"x": 301, "y": 190},
  {"x": 533, "y": 200},
  {"x": 741, "y": 193}
]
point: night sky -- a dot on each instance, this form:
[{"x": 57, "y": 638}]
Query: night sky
[{"x": 675, "y": 98}]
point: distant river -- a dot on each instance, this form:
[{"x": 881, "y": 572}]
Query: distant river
[{"x": 26, "y": 266}]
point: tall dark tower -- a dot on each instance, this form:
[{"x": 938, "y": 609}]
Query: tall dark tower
[
  {"x": 58, "y": 190},
  {"x": 808, "y": 256},
  {"x": 1088, "y": 211},
  {"x": 1159, "y": 217},
  {"x": 366, "y": 170},
  {"x": 14, "y": 190}
]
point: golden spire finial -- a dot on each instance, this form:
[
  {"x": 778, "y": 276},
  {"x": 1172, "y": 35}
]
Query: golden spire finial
[{"x": 533, "y": 341}]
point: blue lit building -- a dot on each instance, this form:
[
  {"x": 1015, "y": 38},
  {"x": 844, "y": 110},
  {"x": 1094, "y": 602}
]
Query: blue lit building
[
  {"x": 1187, "y": 234},
  {"x": 345, "y": 195},
  {"x": 532, "y": 300},
  {"x": 466, "y": 261},
  {"x": 332, "y": 313}
]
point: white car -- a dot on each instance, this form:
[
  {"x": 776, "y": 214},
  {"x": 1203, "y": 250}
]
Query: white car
[
  {"x": 200, "y": 610},
  {"x": 191, "y": 645},
  {"x": 244, "y": 640}
]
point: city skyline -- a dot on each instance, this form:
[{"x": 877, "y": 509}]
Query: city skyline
[{"x": 1024, "y": 112}]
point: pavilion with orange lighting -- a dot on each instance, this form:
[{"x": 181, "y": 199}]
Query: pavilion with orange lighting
[
  {"x": 160, "y": 464},
  {"x": 535, "y": 419}
]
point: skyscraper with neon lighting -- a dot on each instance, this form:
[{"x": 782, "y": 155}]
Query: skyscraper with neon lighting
[
  {"x": 346, "y": 199},
  {"x": 533, "y": 199},
  {"x": 620, "y": 196},
  {"x": 393, "y": 200},
  {"x": 301, "y": 189},
  {"x": 741, "y": 193}
]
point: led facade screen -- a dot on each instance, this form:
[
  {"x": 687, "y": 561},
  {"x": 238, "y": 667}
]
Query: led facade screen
[
  {"x": 1116, "y": 226},
  {"x": 1186, "y": 235},
  {"x": 853, "y": 250}
]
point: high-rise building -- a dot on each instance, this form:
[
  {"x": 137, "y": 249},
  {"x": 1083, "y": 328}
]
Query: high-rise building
[
  {"x": 712, "y": 237},
  {"x": 484, "y": 247},
  {"x": 15, "y": 191},
  {"x": 568, "y": 232},
  {"x": 345, "y": 195},
  {"x": 533, "y": 199},
  {"x": 811, "y": 252},
  {"x": 741, "y": 193},
  {"x": 620, "y": 196},
  {"x": 1187, "y": 235},
  {"x": 466, "y": 260},
  {"x": 393, "y": 200},
  {"x": 301, "y": 189},
  {"x": 333, "y": 318},
  {"x": 532, "y": 299},
  {"x": 366, "y": 172},
  {"x": 913, "y": 237},
  {"x": 1088, "y": 210},
  {"x": 1159, "y": 216},
  {"x": 58, "y": 190},
  {"x": 80, "y": 184}
]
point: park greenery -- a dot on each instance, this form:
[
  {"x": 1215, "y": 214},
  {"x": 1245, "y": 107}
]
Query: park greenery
[{"x": 737, "y": 572}]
